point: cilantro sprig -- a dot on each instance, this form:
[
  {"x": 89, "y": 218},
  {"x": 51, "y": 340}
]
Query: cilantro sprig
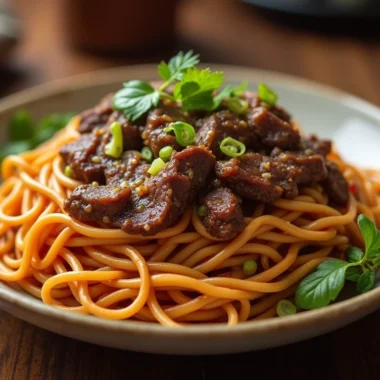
[
  {"x": 194, "y": 89},
  {"x": 324, "y": 284}
]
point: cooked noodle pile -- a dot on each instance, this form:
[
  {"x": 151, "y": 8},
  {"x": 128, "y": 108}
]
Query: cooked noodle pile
[{"x": 180, "y": 276}]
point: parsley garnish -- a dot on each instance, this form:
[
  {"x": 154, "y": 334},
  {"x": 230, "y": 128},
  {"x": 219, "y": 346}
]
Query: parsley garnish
[
  {"x": 324, "y": 285},
  {"x": 194, "y": 89}
]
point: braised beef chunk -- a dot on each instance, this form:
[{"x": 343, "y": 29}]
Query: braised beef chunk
[
  {"x": 131, "y": 133},
  {"x": 335, "y": 184},
  {"x": 96, "y": 117},
  {"x": 311, "y": 168},
  {"x": 273, "y": 131},
  {"x": 170, "y": 192},
  {"x": 83, "y": 158},
  {"x": 158, "y": 119},
  {"x": 257, "y": 177},
  {"x": 130, "y": 168},
  {"x": 97, "y": 203},
  {"x": 215, "y": 128},
  {"x": 322, "y": 147},
  {"x": 223, "y": 214}
]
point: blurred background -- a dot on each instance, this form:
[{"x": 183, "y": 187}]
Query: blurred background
[{"x": 330, "y": 41}]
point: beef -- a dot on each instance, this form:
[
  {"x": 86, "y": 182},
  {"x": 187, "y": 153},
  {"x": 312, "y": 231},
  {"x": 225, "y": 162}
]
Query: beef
[
  {"x": 85, "y": 158},
  {"x": 215, "y": 128},
  {"x": 258, "y": 177},
  {"x": 158, "y": 119},
  {"x": 273, "y": 131},
  {"x": 131, "y": 133},
  {"x": 312, "y": 142},
  {"x": 130, "y": 168},
  {"x": 311, "y": 168},
  {"x": 97, "y": 203},
  {"x": 96, "y": 117},
  {"x": 223, "y": 214},
  {"x": 171, "y": 191},
  {"x": 335, "y": 184}
]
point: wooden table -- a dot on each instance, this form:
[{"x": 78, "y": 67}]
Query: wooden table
[{"x": 222, "y": 31}]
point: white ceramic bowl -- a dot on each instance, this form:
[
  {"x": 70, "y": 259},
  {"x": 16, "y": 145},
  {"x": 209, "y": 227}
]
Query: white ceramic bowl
[{"x": 353, "y": 123}]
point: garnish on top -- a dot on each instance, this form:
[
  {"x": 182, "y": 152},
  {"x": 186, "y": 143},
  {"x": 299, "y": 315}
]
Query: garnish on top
[{"x": 194, "y": 89}]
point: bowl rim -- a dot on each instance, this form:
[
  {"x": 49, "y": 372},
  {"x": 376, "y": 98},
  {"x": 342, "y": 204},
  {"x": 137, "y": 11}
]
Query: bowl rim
[{"x": 10, "y": 297}]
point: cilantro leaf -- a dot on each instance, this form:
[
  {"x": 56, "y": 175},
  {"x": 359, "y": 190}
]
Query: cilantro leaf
[
  {"x": 366, "y": 282},
  {"x": 353, "y": 274},
  {"x": 227, "y": 92},
  {"x": 240, "y": 89},
  {"x": 322, "y": 286},
  {"x": 196, "y": 88},
  {"x": 177, "y": 64},
  {"x": 136, "y": 98},
  {"x": 354, "y": 254}
]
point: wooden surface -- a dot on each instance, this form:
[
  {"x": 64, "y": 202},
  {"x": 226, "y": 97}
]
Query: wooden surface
[{"x": 222, "y": 31}]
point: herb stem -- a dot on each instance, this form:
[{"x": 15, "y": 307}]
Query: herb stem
[{"x": 167, "y": 96}]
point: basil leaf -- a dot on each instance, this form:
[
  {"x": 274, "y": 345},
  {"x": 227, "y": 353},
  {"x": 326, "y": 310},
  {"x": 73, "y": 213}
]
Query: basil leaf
[
  {"x": 15, "y": 147},
  {"x": 164, "y": 71},
  {"x": 322, "y": 286},
  {"x": 353, "y": 274},
  {"x": 376, "y": 261},
  {"x": 366, "y": 282},
  {"x": 354, "y": 254},
  {"x": 368, "y": 230},
  {"x": 135, "y": 99}
]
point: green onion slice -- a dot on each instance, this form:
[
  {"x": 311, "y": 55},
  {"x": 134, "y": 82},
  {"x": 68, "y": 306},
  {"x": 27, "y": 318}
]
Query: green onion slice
[
  {"x": 285, "y": 307},
  {"x": 68, "y": 171},
  {"x": 184, "y": 132},
  {"x": 231, "y": 147},
  {"x": 165, "y": 153},
  {"x": 238, "y": 106},
  {"x": 156, "y": 166},
  {"x": 267, "y": 95},
  {"x": 115, "y": 147},
  {"x": 147, "y": 154},
  {"x": 201, "y": 211},
  {"x": 249, "y": 267}
]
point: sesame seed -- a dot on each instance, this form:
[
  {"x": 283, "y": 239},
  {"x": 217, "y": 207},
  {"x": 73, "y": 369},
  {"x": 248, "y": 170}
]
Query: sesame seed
[
  {"x": 191, "y": 173},
  {"x": 106, "y": 219},
  {"x": 266, "y": 165},
  {"x": 169, "y": 192},
  {"x": 116, "y": 163},
  {"x": 96, "y": 160},
  {"x": 147, "y": 227},
  {"x": 88, "y": 208},
  {"x": 124, "y": 185},
  {"x": 290, "y": 179},
  {"x": 309, "y": 152},
  {"x": 243, "y": 123},
  {"x": 266, "y": 175},
  {"x": 140, "y": 207},
  {"x": 138, "y": 182},
  {"x": 95, "y": 184},
  {"x": 116, "y": 189},
  {"x": 134, "y": 161}
]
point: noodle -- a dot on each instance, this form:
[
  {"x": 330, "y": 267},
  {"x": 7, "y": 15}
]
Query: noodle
[{"x": 181, "y": 275}]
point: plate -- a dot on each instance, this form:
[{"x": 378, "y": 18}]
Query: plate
[{"x": 320, "y": 109}]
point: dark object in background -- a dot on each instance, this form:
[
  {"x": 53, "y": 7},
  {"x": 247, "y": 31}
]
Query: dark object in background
[
  {"x": 323, "y": 8},
  {"x": 120, "y": 26}
]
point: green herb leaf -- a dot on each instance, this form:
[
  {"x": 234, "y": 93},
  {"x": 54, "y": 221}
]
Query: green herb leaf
[
  {"x": 225, "y": 93},
  {"x": 368, "y": 230},
  {"x": 376, "y": 261},
  {"x": 322, "y": 286},
  {"x": 135, "y": 99},
  {"x": 354, "y": 254},
  {"x": 353, "y": 274},
  {"x": 238, "y": 106},
  {"x": 366, "y": 282},
  {"x": 15, "y": 147},
  {"x": 267, "y": 95},
  {"x": 164, "y": 70},
  {"x": 196, "y": 89},
  {"x": 21, "y": 126},
  {"x": 181, "y": 62},
  {"x": 240, "y": 89}
]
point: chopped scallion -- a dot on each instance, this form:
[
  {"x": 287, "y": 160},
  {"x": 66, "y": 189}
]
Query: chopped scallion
[
  {"x": 249, "y": 267},
  {"x": 285, "y": 307},
  {"x": 267, "y": 95},
  {"x": 115, "y": 147},
  {"x": 231, "y": 147},
  {"x": 156, "y": 166},
  {"x": 68, "y": 171},
  {"x": 165, "y": 153},
  {"x": 238, "y": 106},
  {"x": 201, "y": 211},
  {"x": 184, "y": 132},
  {"x": 147, "y": 154}
]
